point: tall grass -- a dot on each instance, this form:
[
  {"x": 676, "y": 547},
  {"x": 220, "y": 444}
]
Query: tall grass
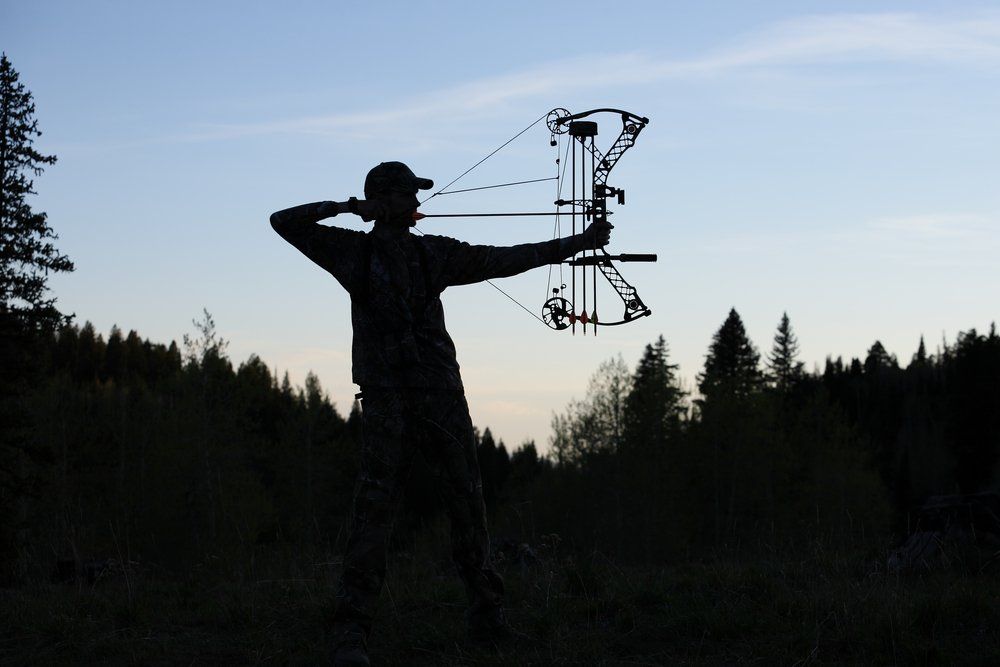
[{"x": 813, "y": 605}]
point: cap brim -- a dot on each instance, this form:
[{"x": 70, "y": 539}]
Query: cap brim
[{"x": 423, "y": 183}]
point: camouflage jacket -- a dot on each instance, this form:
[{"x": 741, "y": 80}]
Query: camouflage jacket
[{"x": 395, "y": 283}]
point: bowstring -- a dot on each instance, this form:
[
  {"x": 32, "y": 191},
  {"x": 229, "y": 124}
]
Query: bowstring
[{"x": 557, "y": 225}]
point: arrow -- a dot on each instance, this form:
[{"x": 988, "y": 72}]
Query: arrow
[{"x": 420, "y": 216}]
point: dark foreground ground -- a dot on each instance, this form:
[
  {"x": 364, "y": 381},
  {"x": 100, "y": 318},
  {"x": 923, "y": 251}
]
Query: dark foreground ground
[{"x": 811, "y": 609}]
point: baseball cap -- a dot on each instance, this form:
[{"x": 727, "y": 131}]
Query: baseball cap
[{"x": 394, "y": 176}]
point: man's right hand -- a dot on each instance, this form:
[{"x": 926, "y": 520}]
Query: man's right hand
[{"x": 371, "y": 209}]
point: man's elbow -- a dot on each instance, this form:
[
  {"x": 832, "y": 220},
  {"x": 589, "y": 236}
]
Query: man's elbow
[{"x": 277, "y": 221}]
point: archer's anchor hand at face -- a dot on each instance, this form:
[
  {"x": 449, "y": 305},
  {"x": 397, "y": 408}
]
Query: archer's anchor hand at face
[{"x": 370, "y": 209}]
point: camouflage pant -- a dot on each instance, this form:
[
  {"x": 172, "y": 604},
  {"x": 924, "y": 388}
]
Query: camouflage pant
[{"x": 396, "y": 424}]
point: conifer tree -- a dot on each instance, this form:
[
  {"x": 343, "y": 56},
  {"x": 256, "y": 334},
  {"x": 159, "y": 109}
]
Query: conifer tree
[
  {"x": 27, "y": 255},
  {"x": 28, "y": 314},
  {"x": 920, "y": 358},
  {"x": 732, "y": 365},
  {"x": 785, "y": 369},
  {"x": 655, "y": 403}
]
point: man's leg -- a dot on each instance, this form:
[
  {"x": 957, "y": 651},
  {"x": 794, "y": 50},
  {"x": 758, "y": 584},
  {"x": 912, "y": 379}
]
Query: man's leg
[
  {"x": 385, "y": 460},
  {"x": 448, "y": 444}
]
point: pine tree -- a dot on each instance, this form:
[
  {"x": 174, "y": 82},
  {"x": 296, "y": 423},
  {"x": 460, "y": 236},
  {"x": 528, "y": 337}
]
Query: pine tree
[
  {"x": 28, "y": 315},
  {"x": 920, "y": 358},
  {"x": 732, "y": 364},
  {"x": 645, "y": 474},
  {"x": 654, "y": 405},
  {"x": 27, "y": 255},
  {"x": 785, "y": 369}
]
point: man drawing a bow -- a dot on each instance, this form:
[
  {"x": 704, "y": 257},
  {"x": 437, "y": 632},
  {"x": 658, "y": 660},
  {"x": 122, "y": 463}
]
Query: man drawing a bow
[{"x": 412, "y": 393}]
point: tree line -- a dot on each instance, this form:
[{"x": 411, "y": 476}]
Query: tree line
[
  {"x": 768, "y": 454},
  {"x": 175, "y": 455}
]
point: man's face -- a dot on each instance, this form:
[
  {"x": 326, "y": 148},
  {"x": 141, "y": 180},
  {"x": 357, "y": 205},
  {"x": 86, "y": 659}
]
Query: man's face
[{"x": 399, "y": 204}]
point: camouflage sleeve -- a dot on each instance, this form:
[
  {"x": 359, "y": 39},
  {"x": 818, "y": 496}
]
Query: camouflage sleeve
[
  {"x": 336, "y": 250},
  {"x": 465, "y": 264}
]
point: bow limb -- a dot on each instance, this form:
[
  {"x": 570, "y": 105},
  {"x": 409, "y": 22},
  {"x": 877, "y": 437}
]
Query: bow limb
[
  {"x": 632, "y": 125},
  {"x": 634, "y": 306}
]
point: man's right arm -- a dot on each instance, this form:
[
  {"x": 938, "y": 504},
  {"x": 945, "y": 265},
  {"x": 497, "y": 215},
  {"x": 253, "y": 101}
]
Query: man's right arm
[
  {"x": 333, "y": 248},
  {"x": 298, "y": 223}
]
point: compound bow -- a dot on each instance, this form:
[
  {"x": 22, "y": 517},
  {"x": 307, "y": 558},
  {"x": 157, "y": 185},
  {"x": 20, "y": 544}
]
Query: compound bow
[{"x": 589, "y": 192}]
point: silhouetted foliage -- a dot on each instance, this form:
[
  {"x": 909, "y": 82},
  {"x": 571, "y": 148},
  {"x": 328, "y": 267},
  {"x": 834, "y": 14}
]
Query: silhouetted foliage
[
  {"x": 180, "y": 460},
  {"x": 972, "y": 376},
  {"x": 655, "y": 403},
  {"x": 732, "y": 366},
  {"x": 27, "y": 255},
  {"x": 785, "y": 368},
  {"x": 594, "y": 426},
  {"x": 27, "y": 310},
  {"x": 191, "y": 463}
]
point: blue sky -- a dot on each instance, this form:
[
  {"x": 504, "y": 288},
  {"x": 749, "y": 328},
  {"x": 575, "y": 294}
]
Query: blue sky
[{"x": 838, "y": 161}]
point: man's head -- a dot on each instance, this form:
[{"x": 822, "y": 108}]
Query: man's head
[
  {"x": 394, "y": 188},
  {"x": 389, "y": 177}
]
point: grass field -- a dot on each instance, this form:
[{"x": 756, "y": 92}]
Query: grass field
[{"x": 816, "y": 608}]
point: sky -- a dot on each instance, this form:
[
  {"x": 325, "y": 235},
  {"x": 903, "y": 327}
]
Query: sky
[{"x": 837, "y": 161}]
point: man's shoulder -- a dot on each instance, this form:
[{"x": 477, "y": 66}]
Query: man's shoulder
[
  {"x": 341, "y": 238},
  {"x": 345, "y": 233},
  {"x": 435, "y": 239},
  {"x": 438, "y": 244}
]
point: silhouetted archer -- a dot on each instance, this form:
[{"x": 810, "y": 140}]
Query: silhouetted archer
[{"x": 413, "y": 396}]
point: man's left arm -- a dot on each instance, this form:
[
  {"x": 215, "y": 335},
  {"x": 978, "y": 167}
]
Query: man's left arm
[{"x": 475, "y": 263}]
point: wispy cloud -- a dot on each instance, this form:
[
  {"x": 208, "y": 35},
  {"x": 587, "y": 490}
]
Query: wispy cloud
[
  {"x": 486, "y": 96},
  {"x": 935, "y": 226},
  {"x": 841, "y": 38},
  {"x": 862, "y": 38}
]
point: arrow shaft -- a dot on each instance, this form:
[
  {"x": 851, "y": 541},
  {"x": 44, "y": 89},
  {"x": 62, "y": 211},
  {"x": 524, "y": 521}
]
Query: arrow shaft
[{"x": 421, "y": 216}]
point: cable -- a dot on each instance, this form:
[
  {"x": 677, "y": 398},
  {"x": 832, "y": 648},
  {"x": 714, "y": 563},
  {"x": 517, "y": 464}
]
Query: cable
[
  {"x": 501, "y": 185},
  {"x": 541, "y": 118}
]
